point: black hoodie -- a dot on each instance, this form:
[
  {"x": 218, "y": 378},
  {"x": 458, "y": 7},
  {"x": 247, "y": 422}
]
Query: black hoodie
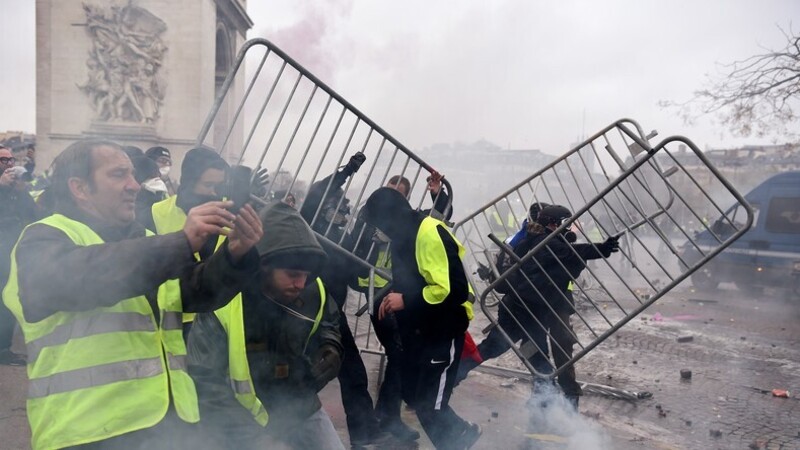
[{"x": 419, "y": 261}]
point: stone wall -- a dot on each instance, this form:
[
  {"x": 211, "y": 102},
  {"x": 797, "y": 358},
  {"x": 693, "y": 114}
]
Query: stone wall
[{"x": 68, "y": 94}]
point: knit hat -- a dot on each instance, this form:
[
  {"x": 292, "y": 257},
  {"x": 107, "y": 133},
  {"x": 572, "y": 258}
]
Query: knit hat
[{"x": 288, "y": 241}]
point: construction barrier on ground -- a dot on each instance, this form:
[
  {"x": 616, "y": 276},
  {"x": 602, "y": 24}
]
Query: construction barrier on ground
[{"x": 656, "y": 199}]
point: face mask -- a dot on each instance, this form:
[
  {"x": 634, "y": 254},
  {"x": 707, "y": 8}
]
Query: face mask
[
  {"x": 155, "y": 185},
  {"x": 164, "y": 171}
]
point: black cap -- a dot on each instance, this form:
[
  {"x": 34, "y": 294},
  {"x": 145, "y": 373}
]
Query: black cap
[
  {"x": 533, "y": 211},
  {"x": 156, "y": 152},
  {"x": 553, "y": 214}
]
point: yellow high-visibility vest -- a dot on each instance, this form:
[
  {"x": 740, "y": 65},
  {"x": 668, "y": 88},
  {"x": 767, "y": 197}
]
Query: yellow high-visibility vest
[
  {"x": 433, "y": 264},
  {"x": 384, "y": 261},
  {"x": 232, "y": 319},
  {"x": 169, "y": 218},
  {"x": 104, "y": 372}
]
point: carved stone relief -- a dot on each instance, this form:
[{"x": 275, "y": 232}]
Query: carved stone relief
[{"x": 127, "y": 52}]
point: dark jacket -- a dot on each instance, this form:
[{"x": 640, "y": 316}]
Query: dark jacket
[
  {"x": 360, "y": 240},
  {"x": 550, "y": 271},
  {"x": 280, "y": 361},
  {"x": 336, "y": 273},
  {"x": 388, "y": 210},
  {"x": 57, "y": 275},
  {"x": 19, "y": 210}
]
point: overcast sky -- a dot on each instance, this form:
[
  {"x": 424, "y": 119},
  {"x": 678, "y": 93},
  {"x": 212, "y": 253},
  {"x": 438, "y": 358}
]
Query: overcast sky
[{"x": 522, "y": 74}]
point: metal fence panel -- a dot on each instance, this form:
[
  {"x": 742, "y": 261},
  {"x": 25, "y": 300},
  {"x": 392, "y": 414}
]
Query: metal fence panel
[
  {"x": 277, "y": 115},
  {"x": 670, "y": 208}
]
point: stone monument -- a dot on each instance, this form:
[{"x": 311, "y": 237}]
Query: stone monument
[{"x": 139, "y": 72}]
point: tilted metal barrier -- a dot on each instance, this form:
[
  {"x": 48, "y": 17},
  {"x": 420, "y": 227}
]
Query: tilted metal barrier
[
  {"x": 658, "y": 199},
  {"x": 277, "y": 115}
]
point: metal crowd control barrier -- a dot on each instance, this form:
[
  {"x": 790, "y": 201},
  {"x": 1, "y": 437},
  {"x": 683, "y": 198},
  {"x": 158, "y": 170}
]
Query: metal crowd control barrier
[
  {"x": 658, "y": 199},
  {"x": 277, "y": 115}
]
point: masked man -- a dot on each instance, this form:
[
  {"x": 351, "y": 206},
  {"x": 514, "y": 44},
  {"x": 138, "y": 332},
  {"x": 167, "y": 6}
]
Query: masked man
[{"x": 431, "y": 302}]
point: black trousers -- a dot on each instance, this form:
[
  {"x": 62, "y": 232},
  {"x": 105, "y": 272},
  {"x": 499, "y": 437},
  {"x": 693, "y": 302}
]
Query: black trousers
[
  {"x": 520, "y": 326},
  {"x": 7, "y": 322},
  {"x": 390, "y": 395},
  {"x": 430, "y": 365},
  {"x": 361, "y": 420}
]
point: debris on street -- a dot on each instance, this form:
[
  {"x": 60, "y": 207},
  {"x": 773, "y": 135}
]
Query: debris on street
[{"x": 781, "y": 393}]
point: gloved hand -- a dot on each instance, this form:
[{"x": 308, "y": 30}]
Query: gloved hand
[
  {"x": 611, "y": 245},
  {"x": 258, "y": 183},
  {"x": 484, "y": 272},
  {"x": 355, "y": 163},
  {"x": 325, "y": 365}
]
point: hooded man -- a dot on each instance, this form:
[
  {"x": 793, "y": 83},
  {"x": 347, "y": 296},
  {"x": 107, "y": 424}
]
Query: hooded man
[
  {"x": 203, "y": 176},
  {"x": 260, "y": 361},
  {"x": 431, "y": 302}
]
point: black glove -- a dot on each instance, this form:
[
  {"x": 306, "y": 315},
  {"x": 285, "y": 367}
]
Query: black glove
[
  {"x": 355, "y": 163},
  {"x": 484, "y": 272},
  {"x": 258, "y": 185},
  {"x": 325, "y": 365},
  {"x": 611, "y": 245}
]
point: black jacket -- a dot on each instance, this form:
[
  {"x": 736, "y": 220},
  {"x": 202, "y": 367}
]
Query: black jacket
[
  {"x": 388, "y": 210},
  {"x": 550, "y": 270},
  {"x": 19, "y": 210}
]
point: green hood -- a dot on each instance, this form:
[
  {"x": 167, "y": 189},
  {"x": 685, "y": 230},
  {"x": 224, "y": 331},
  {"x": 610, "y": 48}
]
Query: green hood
[{"x": 288, "y": 241}]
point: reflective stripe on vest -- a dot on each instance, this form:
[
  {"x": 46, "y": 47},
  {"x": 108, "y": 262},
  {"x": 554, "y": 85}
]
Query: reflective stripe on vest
[
  {"x": 168, "y": 217},
  {"x": 104, "y": 372},
  {"x": 384, "y": 261},
  {"x": 230, "y": 316},
  {"x": 432, "y": 263}
]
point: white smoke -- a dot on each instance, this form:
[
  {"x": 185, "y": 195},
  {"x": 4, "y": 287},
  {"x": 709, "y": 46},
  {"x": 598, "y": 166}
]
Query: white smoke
[{"x": 551, "y": 418}]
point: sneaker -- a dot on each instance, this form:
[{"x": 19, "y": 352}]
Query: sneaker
[
  {"x": 9, "y": 358},
  {"x": 470, "y": 435},
  {"x": 400, "y": 430},
  {"x": 375, "y": 437}
]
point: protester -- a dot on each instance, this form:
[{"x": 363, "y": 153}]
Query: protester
[
  {"x": 431, "y": 302},
  {"x": 538, "y": 302},
  {"x": 326, "y": 209},
  {"x": 373, "y": 246},
  {"x": 163, "y": 158},
  {"x": 203, "y": 176},
  {"x": 261, "y": 360},
  {"x": 99, "y": 301},
  {"x": 19, "y": 210}
]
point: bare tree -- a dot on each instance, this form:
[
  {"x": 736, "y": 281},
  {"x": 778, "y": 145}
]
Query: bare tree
[{"x": 757, "y": 95}]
